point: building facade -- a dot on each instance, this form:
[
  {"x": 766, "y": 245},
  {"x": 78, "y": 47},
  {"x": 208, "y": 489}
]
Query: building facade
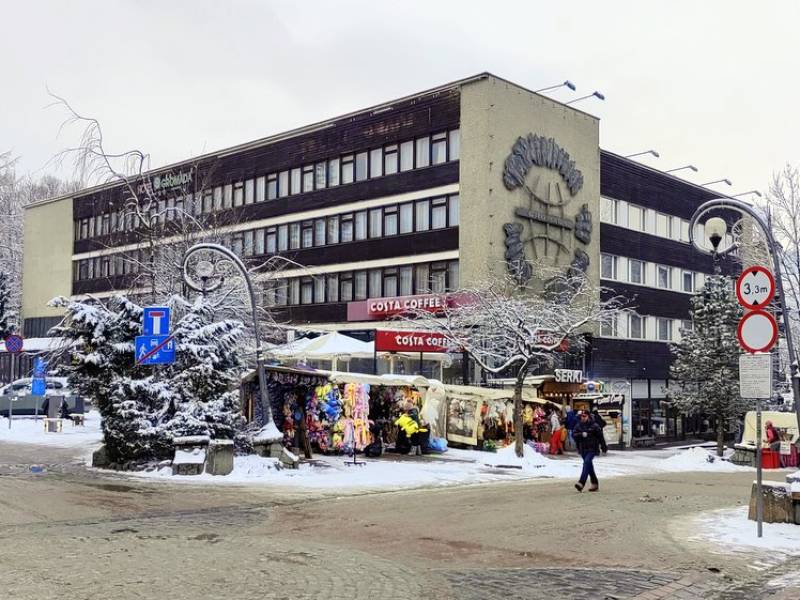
[{"x": 421, "y": 195}]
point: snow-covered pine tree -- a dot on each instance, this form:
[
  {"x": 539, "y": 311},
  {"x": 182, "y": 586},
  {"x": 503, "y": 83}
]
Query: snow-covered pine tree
[
  {"x": 705, "y": 369},
  {"x": 6, "y": 314}
]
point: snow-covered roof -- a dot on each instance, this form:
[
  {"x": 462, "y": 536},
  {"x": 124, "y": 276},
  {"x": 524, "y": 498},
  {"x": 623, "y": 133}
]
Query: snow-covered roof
[{"x": 44, "y": 344}]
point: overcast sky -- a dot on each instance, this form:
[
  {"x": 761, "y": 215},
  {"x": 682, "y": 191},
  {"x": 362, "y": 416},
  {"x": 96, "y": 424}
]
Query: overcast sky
[{"x": 713, "y": 83}]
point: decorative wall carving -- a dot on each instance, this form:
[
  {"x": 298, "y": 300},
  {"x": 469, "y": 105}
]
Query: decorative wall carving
[{"x": 543, "y": 152}]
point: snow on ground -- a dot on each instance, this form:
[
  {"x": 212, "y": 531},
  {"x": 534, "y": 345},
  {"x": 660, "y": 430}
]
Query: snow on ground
[
  {"x": 27, "y": 430},
  {"x": 731, "y": 532},
  {"x": 453, "y": 467}
]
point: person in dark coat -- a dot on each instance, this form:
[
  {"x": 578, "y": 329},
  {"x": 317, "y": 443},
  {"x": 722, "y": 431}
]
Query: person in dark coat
[
  {"x": 570, "y": 422},
  {"x": 587, "y": 436},
  {"x": 602, "y": 423}
]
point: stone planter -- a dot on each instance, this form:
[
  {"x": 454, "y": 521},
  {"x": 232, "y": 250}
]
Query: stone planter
[
  {"x": 220, "y": 457},
  {"x": 190, "y": 455},
  {"x": 779, "y": 504}
]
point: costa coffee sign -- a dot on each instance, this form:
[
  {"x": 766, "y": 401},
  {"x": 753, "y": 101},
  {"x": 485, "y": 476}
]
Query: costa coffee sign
[
  {"x": 409, "y": 341},
  {"x": 386, "y": 307}
]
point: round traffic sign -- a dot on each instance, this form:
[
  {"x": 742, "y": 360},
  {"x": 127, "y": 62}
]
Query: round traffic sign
[
  {"x": 757, "y": 331},
  {"x": 755, "y": 287},
  {"x": 14, "y": 343}
]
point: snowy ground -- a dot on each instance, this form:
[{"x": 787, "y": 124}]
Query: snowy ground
[
  {"x": 453, "y": 467},
  {"x": 730, "y": 532},
  {"x": 27, "y": 430}
]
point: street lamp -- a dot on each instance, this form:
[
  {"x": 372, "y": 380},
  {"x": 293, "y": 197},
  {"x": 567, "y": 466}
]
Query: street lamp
[
  {"x": 692, "y": 167},
  {"x": 206, "y": 271},
  {"x": 731, "y": 203},
  {"x": 594, "y": 94},
  {"x": 756, "y": 192},
  {"x": 653, "y": 152},
  {"x": 567, "y": 84},
  {"x": 724, "y": 180}
]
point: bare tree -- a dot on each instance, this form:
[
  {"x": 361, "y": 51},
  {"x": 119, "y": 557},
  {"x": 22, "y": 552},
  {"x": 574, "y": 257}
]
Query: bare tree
[{"x": 508, "y": 328}]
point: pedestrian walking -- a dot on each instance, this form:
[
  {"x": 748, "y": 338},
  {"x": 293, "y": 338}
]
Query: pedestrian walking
[
  {"x": 555, "y": 436},
  {"x": 571, "y": 421},
  {"x": 587, "y": 436}
]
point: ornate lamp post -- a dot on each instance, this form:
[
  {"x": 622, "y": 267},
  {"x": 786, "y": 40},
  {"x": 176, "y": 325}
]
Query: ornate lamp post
[
  {"x": 716, "y": 232},
  {"x": 206, "y": 272}
]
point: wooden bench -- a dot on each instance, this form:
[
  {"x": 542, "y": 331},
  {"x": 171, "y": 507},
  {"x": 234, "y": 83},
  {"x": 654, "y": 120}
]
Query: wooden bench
[
  {"x": 643, "y": 442},
  {"x": 78, "y": 419}
]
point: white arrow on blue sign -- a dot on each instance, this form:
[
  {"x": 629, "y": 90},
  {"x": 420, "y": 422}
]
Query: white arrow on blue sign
[
  {"x": 155, "y": 321},
  {"x": 154, "y": 350}
]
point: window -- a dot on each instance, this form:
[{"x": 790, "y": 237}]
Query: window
[
  {"x": 346, "y": 287},
  {"x": 636, "y": 271},
  {"x": 423, "y": 215},
  {"x": 333, "y": 172},
  {"x": 454, "y": 145},
  {"x": 390, "y": 282},
  {"x": 272, "y": 240},
  {"x": 375, "y": 283},
  {"x": 258, "y": 242},
  {"x": 438, "y": 277},
  {"x": 453, "y": 277},
  {"x": 361, "y": 166},
  {"x": 360, "y": 285},
  {"x": 249, "y": 247},
  {"x": 361, "y": 225},
  {"x": 282, "y": 292},
  {"x": 307, "y": 234},
  {"x": 423, "y": 152},
  {"x": 663, "y": 277},
  {"x": 283, "y": 238},
  {"x": 308, "y": 178},
  {"x": 272, "y": 186},
  {"x": 390, "y": 220},
  {"x": 319, "y": 232},
  {"x": 320, "y": 176},
  {"x": 663, "y": 225},
  {"x": 294, "y": 291},
  {"x": 249, "y": 191},
  {"x": 348, "y": 172},
  {"x": 376, "y": 162},
  {"x": 684, "y": 231},
  {"x": 237, "y": 244},
  {"x": 333, "y": 288},
  {"x": 208, "y": 201},
  {"x": 347, "y": 228},
  {"x": 452, "y": 210},
  {"x": 333, "y": 230},
  {"x": 238, "y": 194},
  {"x": 319, "y": 289},
  {"x": 439, "y": 148},
  {"x": 306, "y": 290},
  {"x": 261, "y": 185},
  {"x": 422, "y": 281},
  {"x": 406, "y": 281},
  {"x": 636, "y": 327},
  {"x": 227, "y": 197},
  {"x": 688, "y": 282},
  {"x": 608, "y": 327},
  {"x": 283, "y": 184},
  {"x": 407, "y": 218},
  {"x": 297, "y": 176},
  {"x": 635, "y": 217},
  {"x": 390, "y": 165},
  {"x": 294, "y": 236},
  {"x": 376, "y": 223},
  {"x": 439, "y": 213},
  {"x": 406, "y": 156},
  {"x": 664, "y": 329},
  {"x": 608, "y": 266},
  {"x": 687, "y": 325}
]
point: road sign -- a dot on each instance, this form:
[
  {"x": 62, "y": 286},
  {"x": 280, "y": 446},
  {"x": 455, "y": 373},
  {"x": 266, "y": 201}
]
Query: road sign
[
  {"x": 39, "y": 381},
  {"x": 755, "y": 376},
  {"x": 14, "y": 344},
  {"x": 155, "y": 349},
  {"x": 155, "y": 321},
  {"x": 755, "y": 287},
  {"x": 757, "y": 331}
]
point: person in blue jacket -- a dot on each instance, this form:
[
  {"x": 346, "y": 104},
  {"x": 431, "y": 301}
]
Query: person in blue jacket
[
  {"x": 587, "y": 435},
  {"x": 571, "y": 422}
]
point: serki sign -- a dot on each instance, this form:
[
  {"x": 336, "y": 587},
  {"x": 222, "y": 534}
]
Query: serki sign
[
  {"x": 409, "y": 341},
  {"x": 386, "y": 307},
  {"x": 568, "y": 376}
]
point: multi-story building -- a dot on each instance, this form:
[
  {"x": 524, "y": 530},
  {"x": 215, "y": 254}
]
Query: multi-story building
[{"x": 422, "y": 194}]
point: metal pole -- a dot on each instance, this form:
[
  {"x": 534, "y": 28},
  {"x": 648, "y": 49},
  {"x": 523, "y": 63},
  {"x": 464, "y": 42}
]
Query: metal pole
[
  {"x": 11, "y": 396},
  {"x": 773, "y": 248},
  {"x": 759, "y": 497}
]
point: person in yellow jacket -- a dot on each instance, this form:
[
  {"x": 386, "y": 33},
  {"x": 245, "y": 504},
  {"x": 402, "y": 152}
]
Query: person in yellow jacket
[{"x": 409, "y": 423}]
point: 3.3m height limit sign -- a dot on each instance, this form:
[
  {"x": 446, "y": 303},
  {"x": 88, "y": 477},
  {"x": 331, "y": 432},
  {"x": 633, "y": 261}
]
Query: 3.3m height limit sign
[{"x": 757, "y": 330}]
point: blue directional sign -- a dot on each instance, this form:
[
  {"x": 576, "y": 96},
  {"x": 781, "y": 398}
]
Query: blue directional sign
[
  {"x": 155, "y": 321},
  {"x": 155, "y": 349},
  {"x": 39, "y": 381}
]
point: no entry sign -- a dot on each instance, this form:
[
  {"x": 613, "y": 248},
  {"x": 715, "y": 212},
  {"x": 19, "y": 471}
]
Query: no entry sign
[
  {"x": 757, "y": 331},
  {"x": 755, "y": 287}
]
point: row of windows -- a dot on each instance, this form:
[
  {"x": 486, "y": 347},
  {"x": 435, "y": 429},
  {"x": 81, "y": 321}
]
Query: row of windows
[
  {"x": 406, "y": 280},
  {"x": 647, "y": 220},
  {"x": 418, "y": 153},
  {"x": 385, "y": 221},
  {"x": 639, "y": 272},
  {"x": 633, "y": 326}
]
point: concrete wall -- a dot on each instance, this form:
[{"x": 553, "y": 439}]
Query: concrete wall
[
  {"x": 47, "y": 258},
  {"x": 494, "y": 113}
]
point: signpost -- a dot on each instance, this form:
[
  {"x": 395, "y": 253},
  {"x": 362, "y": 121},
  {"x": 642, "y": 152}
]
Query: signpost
[
  {"x": 155, "y": 346},
  {"x": 14, "y": 345},
  {"x": 757, "y": 333},
  {"x": 38, "y": 382}
]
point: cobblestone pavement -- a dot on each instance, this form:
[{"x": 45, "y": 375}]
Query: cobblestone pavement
[{"x": 72, "y": 534}]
